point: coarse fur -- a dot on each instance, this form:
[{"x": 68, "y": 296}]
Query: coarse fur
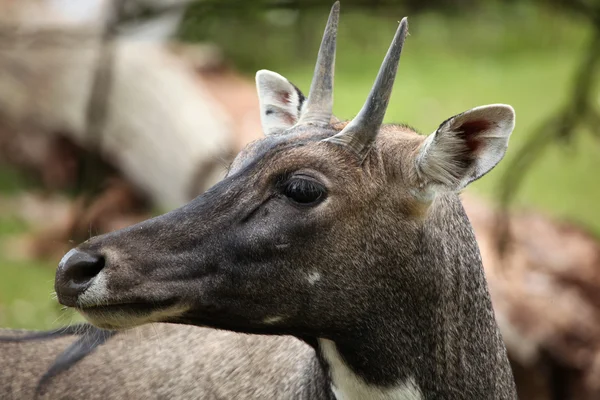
[
  {"x": 400, "y": 309},
  {"x": 164, "y": 361}
]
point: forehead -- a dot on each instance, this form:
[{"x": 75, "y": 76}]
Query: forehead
[
  {"x": 296, "y": 137},
  {"x": 396, "y": 141}
]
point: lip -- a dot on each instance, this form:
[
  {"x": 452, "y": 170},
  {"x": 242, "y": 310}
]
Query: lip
[
  {"x": 126, "y": 307},
  {"x": 68, "y": 301}
]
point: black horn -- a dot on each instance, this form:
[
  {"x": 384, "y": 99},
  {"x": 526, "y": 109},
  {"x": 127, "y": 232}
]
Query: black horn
[{"x": 360, "y": 133}]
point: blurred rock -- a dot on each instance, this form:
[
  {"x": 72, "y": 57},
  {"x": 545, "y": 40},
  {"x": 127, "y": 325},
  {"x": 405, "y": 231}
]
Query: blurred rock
[{"x": 163, "y": 128}]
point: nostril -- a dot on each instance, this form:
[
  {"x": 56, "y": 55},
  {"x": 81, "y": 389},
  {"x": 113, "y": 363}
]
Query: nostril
[
  {"x": 86, "y": 270},
  {"x": 76, "y": 272}
]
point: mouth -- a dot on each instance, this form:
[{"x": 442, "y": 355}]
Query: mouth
[
  {"x": 130, "y": 314},
  {"x": 128, "y": 308}
]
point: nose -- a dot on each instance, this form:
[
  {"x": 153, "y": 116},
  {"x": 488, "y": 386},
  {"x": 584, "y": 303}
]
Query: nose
[{"x": 75, "y": 274}]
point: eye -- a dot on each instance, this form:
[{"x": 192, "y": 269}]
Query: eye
[{"x": 304, "y": 191}]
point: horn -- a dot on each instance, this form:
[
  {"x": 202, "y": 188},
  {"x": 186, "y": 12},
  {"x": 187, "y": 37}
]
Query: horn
[
  {"x": 319, "y": 106},
  {"x": 360, "y": 133}
]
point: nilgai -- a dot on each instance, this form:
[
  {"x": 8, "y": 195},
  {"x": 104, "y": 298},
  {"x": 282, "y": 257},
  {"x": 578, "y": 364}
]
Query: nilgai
[{"x": 346, "y": 237}]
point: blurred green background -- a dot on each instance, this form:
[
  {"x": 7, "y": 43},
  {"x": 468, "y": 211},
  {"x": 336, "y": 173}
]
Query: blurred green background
[{"x": 522, "y": 53}]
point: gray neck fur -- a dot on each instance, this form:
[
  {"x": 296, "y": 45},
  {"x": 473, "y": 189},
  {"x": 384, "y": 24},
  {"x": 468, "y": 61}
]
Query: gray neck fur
[{"x": 447, "y": 347}]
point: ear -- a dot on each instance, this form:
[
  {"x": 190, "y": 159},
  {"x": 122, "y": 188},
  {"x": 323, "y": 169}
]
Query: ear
[
  {"x": 280, "y": 102},
  {"x": 464, "y": 148}
]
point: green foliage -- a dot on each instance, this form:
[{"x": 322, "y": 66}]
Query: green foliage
[
  {"x": 282, "y": 39},
  {"x": 11, "y": 181}
]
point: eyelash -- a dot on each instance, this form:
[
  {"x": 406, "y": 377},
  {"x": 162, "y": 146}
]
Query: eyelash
[{"x": 303, "y": 191}]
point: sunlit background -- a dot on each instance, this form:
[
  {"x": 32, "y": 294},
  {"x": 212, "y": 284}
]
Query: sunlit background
[{"x": 109, "y": 114}]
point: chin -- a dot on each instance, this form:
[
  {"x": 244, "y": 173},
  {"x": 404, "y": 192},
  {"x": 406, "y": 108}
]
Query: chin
[{"x": 128, "y": 316}]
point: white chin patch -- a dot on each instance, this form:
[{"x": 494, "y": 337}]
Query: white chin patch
[{"x": 349, "y": 386}]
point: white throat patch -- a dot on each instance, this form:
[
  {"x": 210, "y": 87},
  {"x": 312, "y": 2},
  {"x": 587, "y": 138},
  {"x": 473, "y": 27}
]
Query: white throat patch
[{"x": 349, "y": 386}]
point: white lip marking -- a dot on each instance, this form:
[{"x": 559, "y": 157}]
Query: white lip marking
[{"x": 96, "y": 294}]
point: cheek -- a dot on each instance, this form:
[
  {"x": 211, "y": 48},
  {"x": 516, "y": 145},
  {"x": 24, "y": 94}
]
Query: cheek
[{"x": 279, "y": 225}]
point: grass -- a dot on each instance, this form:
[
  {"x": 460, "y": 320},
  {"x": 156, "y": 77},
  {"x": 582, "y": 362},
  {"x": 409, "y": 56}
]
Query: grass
[
  {"x": 522, "y": 55},
  {"x": 25, "y": 300},
  {"x": 25, "y": 286}
]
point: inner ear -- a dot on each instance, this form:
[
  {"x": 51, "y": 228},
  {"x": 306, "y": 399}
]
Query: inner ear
[
  {"x": 469, "y": 131},
  {"x": 464, "y": 147},
  {"x": 280, "y": 102}
]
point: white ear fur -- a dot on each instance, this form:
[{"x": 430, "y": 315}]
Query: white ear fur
[
  {"x": 465, "y": 147},
  {"x": 280, "y": 102}
]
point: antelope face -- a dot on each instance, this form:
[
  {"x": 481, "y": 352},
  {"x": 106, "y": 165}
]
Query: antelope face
[
  {"x": 269, "y": 245},
  {"x": 305, "y": 233}
]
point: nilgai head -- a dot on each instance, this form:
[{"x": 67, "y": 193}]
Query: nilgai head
[{"x": 320, "y": 230}]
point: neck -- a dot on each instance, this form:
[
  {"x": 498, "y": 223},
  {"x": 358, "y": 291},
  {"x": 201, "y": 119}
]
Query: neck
[
  {"x": 348, "y": 382},
  {"x": 439, "y": 341}
]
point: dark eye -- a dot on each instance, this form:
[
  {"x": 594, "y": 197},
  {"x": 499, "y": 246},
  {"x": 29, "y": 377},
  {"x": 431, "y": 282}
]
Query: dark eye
[{"x": 303, "y": 191}]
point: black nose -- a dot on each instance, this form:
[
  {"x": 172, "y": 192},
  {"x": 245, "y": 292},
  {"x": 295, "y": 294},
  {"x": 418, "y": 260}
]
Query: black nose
[{"x": 75, "y": 273}]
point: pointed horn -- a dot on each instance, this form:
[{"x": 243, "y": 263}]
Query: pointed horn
[
  {"x": 360, "y": 133},
  {"x": 319, "y": 106}
]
